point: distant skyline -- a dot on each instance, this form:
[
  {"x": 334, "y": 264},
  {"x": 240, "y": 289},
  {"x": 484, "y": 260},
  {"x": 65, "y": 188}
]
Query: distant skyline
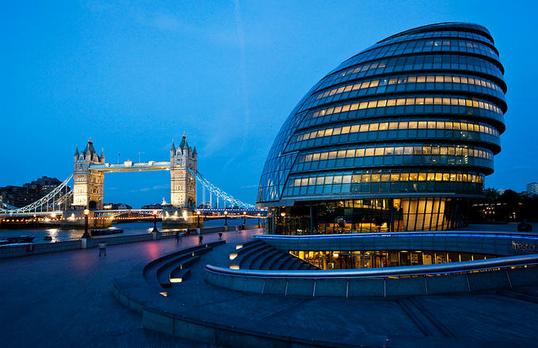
[{"x": 134, "y": 77}]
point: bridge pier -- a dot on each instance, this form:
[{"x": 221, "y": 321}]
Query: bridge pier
[
  {"x": 173, "y": 217},
  {"x": 74, "y": 218}
]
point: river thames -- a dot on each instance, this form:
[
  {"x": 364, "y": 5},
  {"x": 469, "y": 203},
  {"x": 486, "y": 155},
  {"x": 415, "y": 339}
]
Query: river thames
[{"x": 131, "y": 228}]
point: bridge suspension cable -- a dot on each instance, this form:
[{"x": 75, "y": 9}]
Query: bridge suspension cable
[
  {"x": 61, "y": 195},
  {"x": 52, "y": 201},
  {"x": 218, "y": 192}
]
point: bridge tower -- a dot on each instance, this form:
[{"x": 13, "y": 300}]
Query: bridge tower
[
  {"x": 182, "y": 182},
  {"x": 88, "y": 188}
]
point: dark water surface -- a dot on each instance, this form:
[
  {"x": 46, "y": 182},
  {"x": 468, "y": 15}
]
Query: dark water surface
[{"x": 131, "y": 228}]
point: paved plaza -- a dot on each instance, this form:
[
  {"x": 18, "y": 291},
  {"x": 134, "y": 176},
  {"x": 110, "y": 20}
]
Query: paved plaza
[
  {"x": 65, "y": 299},
  {"x": 70, "y": 303}
]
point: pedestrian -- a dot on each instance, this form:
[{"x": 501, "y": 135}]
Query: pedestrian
[
  {"x": 102, "y": 249},
  {"x": 201, "y": 239},
  {"x": 220, "y": 235},
  {"x": 177, "y": 237}
]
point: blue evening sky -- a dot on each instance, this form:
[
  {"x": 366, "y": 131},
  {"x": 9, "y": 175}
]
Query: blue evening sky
[{"x": 135, "y": 75}]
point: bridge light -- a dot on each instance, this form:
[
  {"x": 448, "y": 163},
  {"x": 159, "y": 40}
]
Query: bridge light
[
  {"x": 86, "y": 212},
  {"x": 225, "y": 212}
]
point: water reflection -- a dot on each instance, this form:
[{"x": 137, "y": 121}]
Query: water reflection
[
  {"x": 41, "y": 235},
  {"x": 53, "y": 233}
]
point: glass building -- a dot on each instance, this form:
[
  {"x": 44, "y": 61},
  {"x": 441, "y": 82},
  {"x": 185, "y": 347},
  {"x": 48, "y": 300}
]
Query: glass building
[{"x": 397, "y": 138}]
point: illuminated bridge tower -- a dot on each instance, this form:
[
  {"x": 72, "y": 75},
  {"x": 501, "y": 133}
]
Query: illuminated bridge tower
[
  {"x": 88, "y": 187},
  {"x": 183, "y": 182}
]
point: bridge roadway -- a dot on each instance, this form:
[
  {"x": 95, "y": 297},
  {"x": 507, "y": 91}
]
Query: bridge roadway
[
  {"x": 65, "y": 299},
  {"x": 130, "y": 166}
]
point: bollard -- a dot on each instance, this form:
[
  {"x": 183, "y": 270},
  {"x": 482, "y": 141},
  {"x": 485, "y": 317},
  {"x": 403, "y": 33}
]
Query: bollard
[
  {"x": 156, "y": 235},
  {"x": 83, "y": 243}
]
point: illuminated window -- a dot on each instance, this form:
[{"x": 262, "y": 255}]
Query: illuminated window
[{"x": 401, "y": 126}]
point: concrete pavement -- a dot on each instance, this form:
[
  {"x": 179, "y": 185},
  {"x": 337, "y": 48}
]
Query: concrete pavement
[{"x": 65, "y": 300}]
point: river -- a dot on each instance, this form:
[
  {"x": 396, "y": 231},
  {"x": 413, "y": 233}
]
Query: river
[{"x": 131, "y": 228}]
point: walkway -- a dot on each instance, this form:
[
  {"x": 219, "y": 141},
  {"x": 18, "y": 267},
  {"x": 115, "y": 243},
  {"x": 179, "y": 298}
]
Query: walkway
[
  {"x": 486, "y": 319},
  {"x": 65, "y": 299}
]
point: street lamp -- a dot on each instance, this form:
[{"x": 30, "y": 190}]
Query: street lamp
[
  {"x": 244, "y": 218},
  {"x": 225, "y": 218},
  {"x": 259, "y": 215},
  {"x": 155, "y": 221},
  {"x": 86, "y": 234},
  {"x": 198, "y": 219}
]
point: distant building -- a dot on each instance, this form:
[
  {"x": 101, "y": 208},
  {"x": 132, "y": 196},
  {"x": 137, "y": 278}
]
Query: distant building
[
  {"x": 532, "y": 188},
  {"x": 116, "y": 206},
  {"x": 19, "y": 196},
  {"x": 152, "y": 206}
]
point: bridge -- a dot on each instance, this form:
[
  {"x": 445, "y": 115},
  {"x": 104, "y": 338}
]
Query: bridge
[{"x": 84, "y": 189}]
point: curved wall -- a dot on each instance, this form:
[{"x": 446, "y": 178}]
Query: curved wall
[
  {"x": 419, "y": 114},
  {"x": 500, "y": 244}
]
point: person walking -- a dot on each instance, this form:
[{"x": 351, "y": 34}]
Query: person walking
[
  {"x": 102, "y": 249},
  {"x": 201, "y": 239}
]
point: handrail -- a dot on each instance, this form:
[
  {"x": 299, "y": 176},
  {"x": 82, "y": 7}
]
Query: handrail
[
  {"x": 451, "y": 267},
  {"x": 480, "y": 234},
  {"x": 41, "y": 201}
]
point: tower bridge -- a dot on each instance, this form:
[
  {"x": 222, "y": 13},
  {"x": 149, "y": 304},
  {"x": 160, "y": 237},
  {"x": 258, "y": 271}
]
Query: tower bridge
[{"x": 88, "y": 180}]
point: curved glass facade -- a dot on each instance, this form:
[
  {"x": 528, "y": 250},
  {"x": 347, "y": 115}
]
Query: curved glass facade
[{"x": 396, "y": 138}]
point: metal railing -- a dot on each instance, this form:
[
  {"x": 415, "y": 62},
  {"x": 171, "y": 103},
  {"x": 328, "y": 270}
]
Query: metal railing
[{"x": 397, "y": 271}]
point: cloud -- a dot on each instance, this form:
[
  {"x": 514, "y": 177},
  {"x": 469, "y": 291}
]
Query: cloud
[
  {"x": 245, "y": 187},
  {"x": 151, "y": 188},
  {"x": 170, "y": 22}
]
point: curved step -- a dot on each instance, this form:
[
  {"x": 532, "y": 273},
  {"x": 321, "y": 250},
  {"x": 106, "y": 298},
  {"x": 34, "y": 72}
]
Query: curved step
[
  {"x": 178, "y": 276},
  {"x": 286, "y": 265},
  {"x": 277, "y": 261},
  {"x": 243, "y": 257},
  {"x": 246, "y": 262},
  {"x": 157, "y": 272},
  {"x": 175, "y": 270},
  {"x": 257, "y": 264},
  {"x": 248, "y": 245}
]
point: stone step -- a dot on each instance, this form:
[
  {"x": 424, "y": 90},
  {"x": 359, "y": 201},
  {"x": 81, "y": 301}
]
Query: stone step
[
  {"x": 257, "y": 264},
  {"x": 245, "y": 258}
]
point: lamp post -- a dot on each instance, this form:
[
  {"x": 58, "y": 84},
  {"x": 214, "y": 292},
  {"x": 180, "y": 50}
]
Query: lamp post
[
  {"x": 198, "y": 219},
  {"x": 225, "y": 218},
  {"x": 245, "y": 218},
  {"x": 283, "y": 214},
  {"x": 155, "y": 221},
  {"x": 259, "y": 225},
  {"x": 86, "y": 233}
]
